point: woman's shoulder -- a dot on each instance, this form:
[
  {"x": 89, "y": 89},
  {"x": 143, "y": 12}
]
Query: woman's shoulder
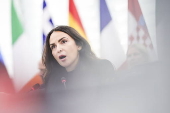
[
  {"x": 105, "y": 70},
  {"x": 104, "y": 63},
  {"x": 101, "y": 66}
]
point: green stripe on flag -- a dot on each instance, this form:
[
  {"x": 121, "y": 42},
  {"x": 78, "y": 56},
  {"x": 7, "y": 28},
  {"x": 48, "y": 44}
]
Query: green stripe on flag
[{"x": 17, "y": 28}]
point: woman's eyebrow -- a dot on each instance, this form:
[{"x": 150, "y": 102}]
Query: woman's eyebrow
[
  {"x": 61, "y": 39},
  {"x": 58, "y": 40}
]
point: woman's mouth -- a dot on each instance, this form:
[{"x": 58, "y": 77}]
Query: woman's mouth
[{"x": 62, "y": 57}]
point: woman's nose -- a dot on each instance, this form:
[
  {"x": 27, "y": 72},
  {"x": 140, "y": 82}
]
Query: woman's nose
[{"x": 59, "y": 49}]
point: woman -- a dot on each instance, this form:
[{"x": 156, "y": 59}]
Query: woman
[
  {"x": 137, "y": 54},
  {"x": 72, "y": 67}
]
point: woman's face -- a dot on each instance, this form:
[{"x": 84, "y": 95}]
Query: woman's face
[
  {"x": 64, "y": 50},
  {"x": 134, "y": 57}
]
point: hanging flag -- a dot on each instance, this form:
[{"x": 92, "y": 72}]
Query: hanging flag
[
  {"x": 111, "y": 48},
  {"x": 74, "y": 19},
  {"x": 137, "y": 28},
  {"x": 47, "y": 21},
  {"x": 23, "y": 53},
  {"x": 47, "y": 26},
  {"x": 6, "y": 84}
]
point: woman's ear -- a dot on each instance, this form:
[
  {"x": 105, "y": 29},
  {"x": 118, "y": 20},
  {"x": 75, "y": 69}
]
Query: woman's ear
[{"x": 79, "y": 48}]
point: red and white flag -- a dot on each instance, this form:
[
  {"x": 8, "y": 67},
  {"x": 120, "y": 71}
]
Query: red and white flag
[{"x": 137, "y": 28}]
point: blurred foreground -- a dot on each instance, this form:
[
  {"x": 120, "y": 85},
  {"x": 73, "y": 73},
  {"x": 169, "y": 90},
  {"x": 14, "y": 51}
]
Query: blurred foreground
[{"x": 143, "y": 89}]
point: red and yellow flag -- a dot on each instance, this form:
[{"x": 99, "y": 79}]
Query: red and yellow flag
[{"x": 74, "y": 19}]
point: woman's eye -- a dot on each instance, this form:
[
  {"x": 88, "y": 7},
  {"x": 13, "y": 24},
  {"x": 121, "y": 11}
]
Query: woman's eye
[
  {"x": 63, "y": 41},
  {"x": 52, "y": 47}
]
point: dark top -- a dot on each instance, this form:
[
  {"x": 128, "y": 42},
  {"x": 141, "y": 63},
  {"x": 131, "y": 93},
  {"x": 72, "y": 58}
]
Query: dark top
[
  {"x": 82, "y": 90},
  {"x": 88, "y": 73}
]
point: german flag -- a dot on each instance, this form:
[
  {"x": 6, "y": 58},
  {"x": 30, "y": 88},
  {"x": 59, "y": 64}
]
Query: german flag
[{"x": 74, "y": 19}]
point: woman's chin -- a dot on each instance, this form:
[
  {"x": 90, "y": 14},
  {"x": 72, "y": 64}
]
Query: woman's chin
[{"x": 64, "y": 65}]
